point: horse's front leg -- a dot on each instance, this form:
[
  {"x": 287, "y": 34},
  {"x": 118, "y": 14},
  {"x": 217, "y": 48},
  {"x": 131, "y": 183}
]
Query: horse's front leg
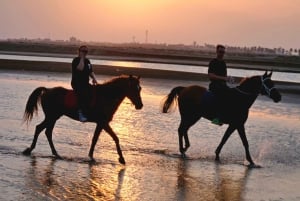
[
  {"x": 109, "y": 130},
  {"x": 94, "y": 140},
  {"x": 242, "y": 133},
  {"x": 227, "y": 134}
]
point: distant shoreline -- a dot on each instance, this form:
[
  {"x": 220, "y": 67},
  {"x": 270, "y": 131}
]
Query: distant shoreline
[
  {"x": 160, "y": 60},
  {"x": 48, "y": 66}
]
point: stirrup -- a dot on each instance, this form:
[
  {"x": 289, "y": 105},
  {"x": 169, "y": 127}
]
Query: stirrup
[
  {"x": 81, "y": 117},
  {"x": 217, "y": 121}
]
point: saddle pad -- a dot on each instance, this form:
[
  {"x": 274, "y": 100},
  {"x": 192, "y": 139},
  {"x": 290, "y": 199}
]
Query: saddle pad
[
  {"x": 208, "y": 99},
  {"x": 70, "y": 100}
]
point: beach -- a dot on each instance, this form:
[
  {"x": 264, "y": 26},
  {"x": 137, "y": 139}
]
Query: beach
[
  {"x": 154, "y": 169},
  {"x": 149, "y": 62}
]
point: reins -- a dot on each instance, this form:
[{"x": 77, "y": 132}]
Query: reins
[
  {"x": 242, "y": 92},
  {"x": 267, "y": 90}
]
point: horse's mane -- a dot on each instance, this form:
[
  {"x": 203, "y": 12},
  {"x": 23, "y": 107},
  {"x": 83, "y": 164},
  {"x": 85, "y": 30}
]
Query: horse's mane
[
  {"x": 116, "y": 79},
  {"x": 244, "y": 80},
  {"x": 115, "y": 83},
  {"x": 250, "y": 84}
]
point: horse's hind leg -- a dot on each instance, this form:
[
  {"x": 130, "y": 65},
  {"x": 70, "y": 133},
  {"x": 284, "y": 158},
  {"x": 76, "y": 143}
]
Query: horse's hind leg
[
  {"x": 183, "y": 132},
  {"x": 227, "y": 134},
  {"x": 38, "y": 129},
  {"x": 48, "y": 132}
]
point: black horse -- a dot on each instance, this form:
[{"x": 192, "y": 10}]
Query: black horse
[
  {"x": 196, "y": 102},
  {"x": 104, "y": 102}
]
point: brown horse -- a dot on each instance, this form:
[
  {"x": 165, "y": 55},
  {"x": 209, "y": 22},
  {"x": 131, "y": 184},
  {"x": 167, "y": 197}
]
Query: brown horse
[
  {"x": 104, "y": 102},
  {"x": 196, "y": 102}
]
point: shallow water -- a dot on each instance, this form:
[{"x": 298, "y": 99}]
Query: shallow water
[
  {"x": 154, "y": 170},
  {"x": 279, "y": 76}
]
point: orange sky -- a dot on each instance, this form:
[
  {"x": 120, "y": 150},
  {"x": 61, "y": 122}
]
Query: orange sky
[{"x": 270, "y": 23}]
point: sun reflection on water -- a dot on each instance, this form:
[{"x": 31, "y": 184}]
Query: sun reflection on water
[
  {"x": 125, "y": 64},
  {"x": 149, "y": 142}
]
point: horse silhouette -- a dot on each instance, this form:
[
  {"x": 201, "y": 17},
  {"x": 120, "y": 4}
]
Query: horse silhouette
[
  {"x": 195, "y": 102},
  {"x": 104, "y": 102}
]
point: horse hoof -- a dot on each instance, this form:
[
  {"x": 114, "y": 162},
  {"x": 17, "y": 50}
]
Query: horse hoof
[
  {"x": 183, "y": 156},
  {"x": 58, "y": 157},
  {"x": 122, "y": 160},
  {"x": 217, "y": 158},
  {"x": 27, "y": 152},
  {"x": 252, "y": 165},
  {"x": 92, "y": 161}
]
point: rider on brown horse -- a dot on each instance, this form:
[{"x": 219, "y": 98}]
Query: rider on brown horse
[
  {"x": 81, "y": 71},
  {"x": 217, "y": 73}
]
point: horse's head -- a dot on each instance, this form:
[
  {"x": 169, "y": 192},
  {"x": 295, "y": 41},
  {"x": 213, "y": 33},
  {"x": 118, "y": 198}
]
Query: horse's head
[
  {"x": 260, "y": 85},
  {"x": 133, "y": 91},
  {"x": 268, "y": 87}
]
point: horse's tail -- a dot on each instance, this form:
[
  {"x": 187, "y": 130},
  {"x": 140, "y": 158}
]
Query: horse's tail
[
  {"x": 32, "y": 104},
  {"x": 169, "y": 100}
]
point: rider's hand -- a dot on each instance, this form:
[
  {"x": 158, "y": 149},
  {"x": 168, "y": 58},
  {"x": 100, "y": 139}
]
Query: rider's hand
[
  {"x": 230, "y": 80},
  {"x": 95, "y": 82}
]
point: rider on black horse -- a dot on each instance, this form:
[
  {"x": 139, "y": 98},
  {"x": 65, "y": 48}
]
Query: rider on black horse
[
  {"x": 217, "y": 73},
  {"x": 81, "y": 71}
]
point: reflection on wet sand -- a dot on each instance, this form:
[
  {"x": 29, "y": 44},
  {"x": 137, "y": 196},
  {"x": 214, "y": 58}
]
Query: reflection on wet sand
[
  {"x": 55, "y": 181},
  {"x": 41, "y": 180},
  {"x": 181, "y": 180},
  {"x": 217, "y": 182},
  {"x": 164, "y": 179},
  {"x": 105, "y": 186},
  {"x": 231, "y": 183},
  {"x": 150, "y": 144}
]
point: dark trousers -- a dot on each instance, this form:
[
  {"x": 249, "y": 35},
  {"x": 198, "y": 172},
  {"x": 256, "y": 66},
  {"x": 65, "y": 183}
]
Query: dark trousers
[
  {"x": 221, "y": 91},
  {"x": 83, "y": 97}
]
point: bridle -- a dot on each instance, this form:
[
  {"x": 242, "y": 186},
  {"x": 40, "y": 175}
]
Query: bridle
[{"x": 264, "y": 86}]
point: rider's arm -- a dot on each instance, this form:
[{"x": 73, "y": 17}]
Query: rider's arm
[
  {"x": 93, "y": 76},
  {"x": 212, "y": 69},
  {"x": 213, "y": 76},
  {"x": 80, "y": 66}
]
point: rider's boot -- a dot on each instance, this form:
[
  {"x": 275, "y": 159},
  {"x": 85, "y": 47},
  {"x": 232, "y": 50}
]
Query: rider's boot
[
  {"x": 81, "y": 116},
  {"x": 217, "y": 121}
]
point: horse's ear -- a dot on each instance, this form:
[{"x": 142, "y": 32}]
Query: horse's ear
[
  {"x": 138, "y": 77},
  {"x": 266, "y": 73},
  {"x": 270, "y": 74}
]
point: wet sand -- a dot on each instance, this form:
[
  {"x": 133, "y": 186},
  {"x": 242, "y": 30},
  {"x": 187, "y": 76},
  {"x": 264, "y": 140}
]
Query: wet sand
[{"x": 154, "y": 170}]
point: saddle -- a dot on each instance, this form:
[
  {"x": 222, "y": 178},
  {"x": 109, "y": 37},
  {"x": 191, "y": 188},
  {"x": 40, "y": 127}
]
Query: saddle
[
  {"x": 209, "y": 100},
  {"x": 71, "y": 100},
  {"x": 213, "y": 105}
]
